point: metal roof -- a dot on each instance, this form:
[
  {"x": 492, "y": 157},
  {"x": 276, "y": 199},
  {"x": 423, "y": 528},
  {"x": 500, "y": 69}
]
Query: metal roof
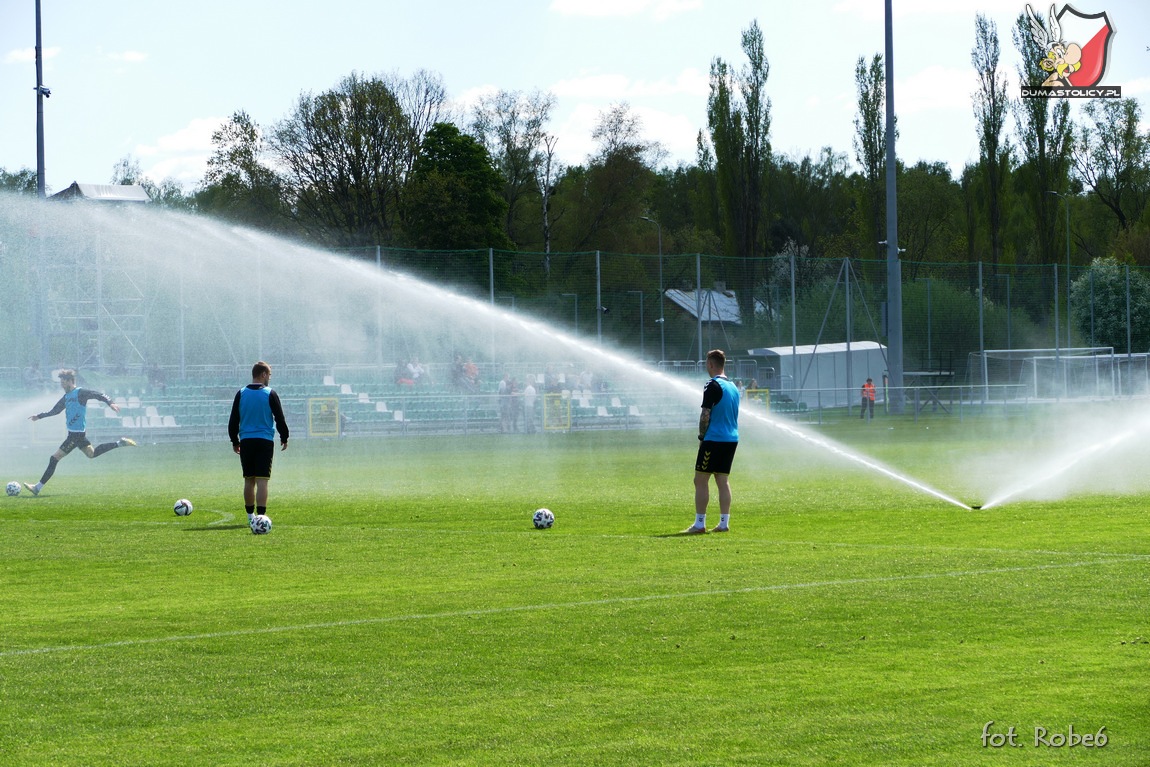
[
  {"x": 712, "y": 305},
  {"x": 104, "y": 192}
]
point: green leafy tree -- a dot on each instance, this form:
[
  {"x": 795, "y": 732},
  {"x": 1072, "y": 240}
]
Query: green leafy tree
[
  {"x": 930, "y": 215},
  {"x": 991, "y": 105},
  {"x": 512, "y": 127},
  {"x": 22, "y": 181},
  {"x": 1044, "y": 139},
  {"x": 346, "y": 154},
  {"x": 454, "y": 201},
  {"x": 739, "y": 120},
  {"x": 238, "y": 185},
  {"x": 1099, "y": 308},
  {"x": 1112, "y": 157},
  {"x": 870, "y": 148},
  {"x": 603, "y": 200}
]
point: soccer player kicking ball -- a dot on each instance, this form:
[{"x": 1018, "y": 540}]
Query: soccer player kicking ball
[
  {"x": 718, "y": 437},
  {"x": 256, "y": 416},
  {"x": 74, "y": 405}
]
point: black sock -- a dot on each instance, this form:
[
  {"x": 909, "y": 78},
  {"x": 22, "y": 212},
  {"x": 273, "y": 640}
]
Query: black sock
[
  {"x": 262, "y": 510},
  {"x": 250, "y": 509},
  {"x": 48, "y": 472},
  {"x": 101, "y": 449}
]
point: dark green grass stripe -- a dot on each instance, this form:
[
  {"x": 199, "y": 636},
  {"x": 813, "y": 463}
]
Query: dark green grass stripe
[{"x": 569, "y": 605}]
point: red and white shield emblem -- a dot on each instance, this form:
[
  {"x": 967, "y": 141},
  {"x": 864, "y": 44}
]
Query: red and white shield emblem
[{"x": 1092, "y": 33}]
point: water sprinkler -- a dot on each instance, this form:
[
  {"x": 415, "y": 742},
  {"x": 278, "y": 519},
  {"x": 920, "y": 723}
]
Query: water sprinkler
[{"x": 976, "y": 507}]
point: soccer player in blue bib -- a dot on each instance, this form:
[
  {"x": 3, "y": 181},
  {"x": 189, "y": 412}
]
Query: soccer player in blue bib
[
  {"x": 74, "y": 405},
  {"x": 256, "y": 416},
  {"x": 718, "y": 438}
]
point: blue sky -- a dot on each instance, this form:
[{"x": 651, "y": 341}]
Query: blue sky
[{"x": 153, "y": 80}]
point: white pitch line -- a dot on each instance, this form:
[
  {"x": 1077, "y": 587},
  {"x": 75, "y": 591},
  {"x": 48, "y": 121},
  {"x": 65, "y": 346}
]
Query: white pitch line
[
  {"x": 225, "y": 517},
  {"x": 559, "y": 606}
]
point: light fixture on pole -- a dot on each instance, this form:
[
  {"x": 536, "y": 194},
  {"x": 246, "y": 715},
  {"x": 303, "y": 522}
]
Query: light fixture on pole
[{"x": 661, "y": 320}]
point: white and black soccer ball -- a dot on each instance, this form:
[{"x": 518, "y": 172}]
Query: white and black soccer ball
[
  {"x": 261, "y": 524},
  {"x": 182, "y": 507},
  {"x": 542, "y": 519},
  {"x": 13, "y": 488}
]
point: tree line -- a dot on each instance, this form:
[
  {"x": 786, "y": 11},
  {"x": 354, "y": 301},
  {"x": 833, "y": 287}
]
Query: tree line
[{"x": 381, "y": 160}]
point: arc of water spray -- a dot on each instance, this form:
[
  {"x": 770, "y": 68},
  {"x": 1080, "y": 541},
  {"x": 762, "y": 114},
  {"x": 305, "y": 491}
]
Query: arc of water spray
[
  {"x": 762, "y": 417},
  {"x": 1062, "y": 467},
  {"x": 856, "y": 458}
]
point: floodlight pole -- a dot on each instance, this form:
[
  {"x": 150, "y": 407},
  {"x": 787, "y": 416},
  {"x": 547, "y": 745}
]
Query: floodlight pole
[
  {"x": 893, "y": 266},
  {"x": 41, "y": 92}
]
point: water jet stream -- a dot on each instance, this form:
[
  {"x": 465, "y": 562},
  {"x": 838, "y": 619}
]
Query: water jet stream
[
  {"x": 219, "y": 296},
  {"x": 1062, "y": 467}
]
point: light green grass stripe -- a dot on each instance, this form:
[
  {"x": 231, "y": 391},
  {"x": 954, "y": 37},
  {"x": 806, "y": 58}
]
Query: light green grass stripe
[{"x": 565, "y": 606}]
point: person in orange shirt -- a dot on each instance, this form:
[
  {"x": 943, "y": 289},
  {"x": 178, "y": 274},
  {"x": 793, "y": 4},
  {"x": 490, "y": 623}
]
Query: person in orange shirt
[{"x": 867, "y": 398}]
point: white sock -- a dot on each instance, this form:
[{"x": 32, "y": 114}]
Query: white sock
[
  {"x": 724, "y": 520},
  {"x": 251, "y": 516},
  {"x": 701, "y": 520}
]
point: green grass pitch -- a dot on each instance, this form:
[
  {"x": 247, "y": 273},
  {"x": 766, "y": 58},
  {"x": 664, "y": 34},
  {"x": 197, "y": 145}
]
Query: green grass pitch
[{"x": 403, "y": 611}]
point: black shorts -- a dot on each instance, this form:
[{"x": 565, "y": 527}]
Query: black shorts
[
  {"x": 76, "y": 439},
  {"x": 715, "y": 457},
  {"x": 256, "y": 457}
]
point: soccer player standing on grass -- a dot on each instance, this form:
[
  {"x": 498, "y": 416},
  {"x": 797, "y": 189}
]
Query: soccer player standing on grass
[
  {"x": 74, "y": 404},
  {"x": 719, "y": 437},
  {"x": 256, "y": 416}
]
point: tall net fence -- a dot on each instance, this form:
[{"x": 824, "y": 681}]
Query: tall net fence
[
  {"x": 666, "y": 307},
  {"x": 963, "y": 324}
]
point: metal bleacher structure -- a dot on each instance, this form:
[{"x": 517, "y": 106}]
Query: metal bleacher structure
[{"x": 366, "y": 402}]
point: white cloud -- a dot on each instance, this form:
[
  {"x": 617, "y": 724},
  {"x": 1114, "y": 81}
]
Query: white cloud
[
  {"x": 1137, "y": 87},
  {"x": 182, "y": 155},
  {"x": 935, "y": 88},
  {"x": 618, "y": 87},
  {"x": 28, "y": 55},
  {"x": 676, "y": 132},
  {"x": 128, "y": 56},
  {"x": 872, "y": 10},
  {"x": 660, "y": 10}
]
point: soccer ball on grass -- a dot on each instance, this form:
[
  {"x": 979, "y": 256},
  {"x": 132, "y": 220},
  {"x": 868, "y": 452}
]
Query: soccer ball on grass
[
  {"x": 182, "y": 507},
  {"x": 261, "y": 524},
  {"x": 542, "y": 519},
  {"x": 13, "y": 488}
]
